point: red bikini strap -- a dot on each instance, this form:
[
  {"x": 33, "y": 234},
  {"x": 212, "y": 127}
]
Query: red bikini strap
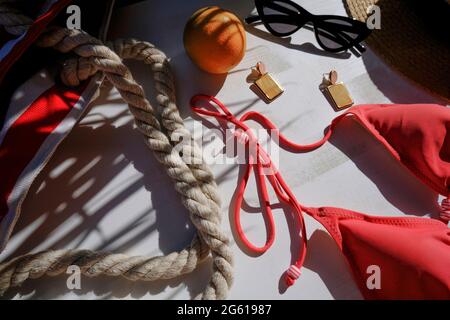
[
  {"x": 284, "y": 142},
  {"x": 259, "y": 160},
  {"x": 445, "y": 210},
  {"x": 223, "y": 113},
  {"x": 256, "y": 158}
]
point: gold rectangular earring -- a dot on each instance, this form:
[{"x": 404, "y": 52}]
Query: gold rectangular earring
[
  {"x": 266, "y": 83},
  {"x": 338, "y": 92}
]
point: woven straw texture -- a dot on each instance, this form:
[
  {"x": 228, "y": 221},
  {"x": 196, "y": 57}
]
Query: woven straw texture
[{"x": 412, "y": 39}]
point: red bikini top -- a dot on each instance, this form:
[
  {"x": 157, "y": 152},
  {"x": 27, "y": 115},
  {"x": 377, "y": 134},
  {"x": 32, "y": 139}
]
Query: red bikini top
[{"x": 412, "y": 254}]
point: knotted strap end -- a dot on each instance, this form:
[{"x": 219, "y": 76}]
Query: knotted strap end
[
  {"x": 445, "y": 210},
  {"x": 292, "y": 274}
]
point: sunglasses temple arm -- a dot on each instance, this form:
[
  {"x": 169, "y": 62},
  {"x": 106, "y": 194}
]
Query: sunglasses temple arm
[
  {"x": 360, "y": 47},
  {"x": 252, "y": 18}
]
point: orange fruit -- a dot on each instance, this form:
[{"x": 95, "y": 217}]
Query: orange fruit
[{"x": 214, "y": 39}]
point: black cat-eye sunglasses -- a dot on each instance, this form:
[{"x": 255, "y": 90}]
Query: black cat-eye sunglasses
[{"x": 333, "y": 33}]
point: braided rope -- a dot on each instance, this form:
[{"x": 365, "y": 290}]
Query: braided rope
[{"x": 192, "y": 178}]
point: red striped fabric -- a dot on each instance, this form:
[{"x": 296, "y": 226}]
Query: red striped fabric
[
  {"x": 28, "y": 133},
  {"x": 33, "y": 127},
  {"x": 31, "y": 35}
]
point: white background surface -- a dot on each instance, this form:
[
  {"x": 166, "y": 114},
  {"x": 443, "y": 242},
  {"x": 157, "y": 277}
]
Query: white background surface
[{"x": 103, "y": 189}]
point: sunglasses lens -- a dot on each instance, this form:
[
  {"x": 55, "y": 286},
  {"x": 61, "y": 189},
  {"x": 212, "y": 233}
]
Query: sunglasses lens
[
  {"x": 281, "y": 10},
  {"x": 336, "y": 33},
  {"x": 329, "y": 40}
]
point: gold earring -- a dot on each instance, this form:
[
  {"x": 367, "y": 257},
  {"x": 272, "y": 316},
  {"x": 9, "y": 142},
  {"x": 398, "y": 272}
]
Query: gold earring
[
  {"x": 338, "y": 92},
  {"x": 266, "y": 83}
]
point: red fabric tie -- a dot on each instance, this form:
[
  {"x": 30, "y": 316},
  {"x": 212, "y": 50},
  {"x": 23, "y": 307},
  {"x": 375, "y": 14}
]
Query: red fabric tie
[
  {"x": 259, "y": 160},
  {"x": 445, "y": 210}
]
